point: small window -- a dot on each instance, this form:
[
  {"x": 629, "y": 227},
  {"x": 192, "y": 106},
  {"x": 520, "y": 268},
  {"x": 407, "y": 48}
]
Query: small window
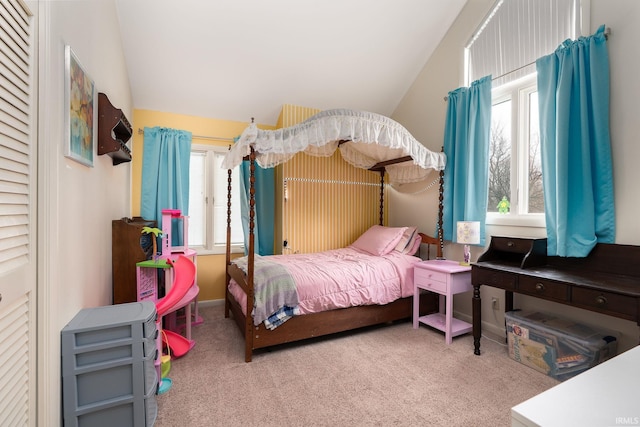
[
  {"x": 208, "y": 184},
  {"x": 515, "y": 168}
]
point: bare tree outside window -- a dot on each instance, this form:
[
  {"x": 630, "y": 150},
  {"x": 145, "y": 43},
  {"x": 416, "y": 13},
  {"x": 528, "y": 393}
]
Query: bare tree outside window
[
  {"x": 500, "y": 155},
  {"x": 536, "y": 195},
  {"x": 512, "y": 174}
]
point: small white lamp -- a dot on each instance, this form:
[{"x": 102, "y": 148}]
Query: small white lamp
[{"x": 469, "y": 234}]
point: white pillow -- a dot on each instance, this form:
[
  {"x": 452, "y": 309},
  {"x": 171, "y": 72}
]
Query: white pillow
[{"x": 379, "y": 240}]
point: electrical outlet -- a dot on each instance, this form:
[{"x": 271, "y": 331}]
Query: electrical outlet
[{"x": 495, "y": 303}]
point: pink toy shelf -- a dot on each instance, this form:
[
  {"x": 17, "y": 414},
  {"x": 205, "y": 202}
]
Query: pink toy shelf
[{"x": 147, "y": 273}]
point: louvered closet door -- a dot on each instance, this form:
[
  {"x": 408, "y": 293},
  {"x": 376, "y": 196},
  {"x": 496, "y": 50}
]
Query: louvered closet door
[{"x": 17, "y": 216}]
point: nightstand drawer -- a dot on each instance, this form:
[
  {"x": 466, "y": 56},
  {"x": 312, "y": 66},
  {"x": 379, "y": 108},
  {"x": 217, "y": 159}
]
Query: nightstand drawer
[
  {"x": 432, "y": 286},
  {"x": 423, "y": 275}
]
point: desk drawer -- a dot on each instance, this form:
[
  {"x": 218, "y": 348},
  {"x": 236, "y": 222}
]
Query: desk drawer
[
  {"x": 498, "y": 279},
  {"x": 617, "y": 305},
  {"x": 431, "y": 280},
  {"x": 509, "y": 244},
  {"x": 543, "y": 288}
]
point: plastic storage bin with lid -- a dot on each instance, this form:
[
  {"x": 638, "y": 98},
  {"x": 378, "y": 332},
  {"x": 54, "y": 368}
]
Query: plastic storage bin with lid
[{"x": 557, "y": 346}]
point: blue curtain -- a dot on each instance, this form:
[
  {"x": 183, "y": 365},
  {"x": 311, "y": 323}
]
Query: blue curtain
[
  {"x": 165, "y": 175},
  {"x": 577, "y": 171},
  {"x": 466, "y": 145},
  {"x": 264, "y": 218}
]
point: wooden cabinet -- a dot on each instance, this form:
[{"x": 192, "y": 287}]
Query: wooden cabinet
[
  {"x": 128, "y": 247},
  {"x": 114, "y": 130}
]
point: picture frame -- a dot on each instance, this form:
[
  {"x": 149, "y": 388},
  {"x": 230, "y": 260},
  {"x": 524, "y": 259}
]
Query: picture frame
[{"x": 80, "y": 111}]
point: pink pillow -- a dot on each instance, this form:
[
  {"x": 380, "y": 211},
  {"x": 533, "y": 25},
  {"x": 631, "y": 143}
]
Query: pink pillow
[{"x": 379, "y": 240}]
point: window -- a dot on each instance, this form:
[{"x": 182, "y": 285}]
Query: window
[
  {"x": 515, "y": 171},
  {"x": 208, "y": 202},
  {"x": 506, "y": 45}
]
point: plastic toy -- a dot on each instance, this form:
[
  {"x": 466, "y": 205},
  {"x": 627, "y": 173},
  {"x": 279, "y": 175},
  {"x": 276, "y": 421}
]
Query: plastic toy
[{"x": 184, "y": 273}]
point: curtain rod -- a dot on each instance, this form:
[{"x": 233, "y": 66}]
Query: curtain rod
[
  {"x": 607, "y": 31},
  {"x": 217, "y": 138}
]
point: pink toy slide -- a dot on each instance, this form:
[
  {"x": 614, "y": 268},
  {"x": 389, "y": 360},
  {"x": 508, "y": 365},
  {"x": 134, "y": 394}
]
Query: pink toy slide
[
  {"x": 178, "y": 344},
  {"x": 184, "y": 273}
]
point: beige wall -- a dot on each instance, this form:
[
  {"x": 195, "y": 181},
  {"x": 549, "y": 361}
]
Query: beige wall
[
  {"x": 422, "y": 111},
  {"x": 75, "y": 203}
]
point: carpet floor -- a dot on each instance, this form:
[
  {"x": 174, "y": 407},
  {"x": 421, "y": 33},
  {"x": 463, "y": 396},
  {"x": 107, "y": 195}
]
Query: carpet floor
[{"x": 391, "y": 375}]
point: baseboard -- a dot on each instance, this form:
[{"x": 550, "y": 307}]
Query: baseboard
[
  {"x": 211, "y": 302},
  {"x": 489, "y": 330}
]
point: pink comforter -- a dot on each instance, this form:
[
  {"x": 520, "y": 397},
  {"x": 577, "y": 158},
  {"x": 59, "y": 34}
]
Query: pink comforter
[{"x": 345, "y": 277}]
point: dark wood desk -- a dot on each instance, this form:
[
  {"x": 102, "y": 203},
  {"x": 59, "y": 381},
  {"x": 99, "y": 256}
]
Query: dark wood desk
[{"x": 607, "y": 281}]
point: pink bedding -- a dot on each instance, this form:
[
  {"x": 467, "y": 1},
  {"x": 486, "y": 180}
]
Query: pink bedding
[{"x": 342, "y": 278}]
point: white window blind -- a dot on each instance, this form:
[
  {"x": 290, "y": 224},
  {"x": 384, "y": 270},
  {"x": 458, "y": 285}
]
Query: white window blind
[
  {"x": 15, "y": 134},
  {"x": 516, "y": 33}
]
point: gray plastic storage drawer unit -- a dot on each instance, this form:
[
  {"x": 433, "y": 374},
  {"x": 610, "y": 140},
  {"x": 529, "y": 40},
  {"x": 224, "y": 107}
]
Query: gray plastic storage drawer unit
[{"x": 108, "y": 372}]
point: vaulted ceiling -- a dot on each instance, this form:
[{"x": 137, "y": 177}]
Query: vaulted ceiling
[{"x": 237, "y": 59}]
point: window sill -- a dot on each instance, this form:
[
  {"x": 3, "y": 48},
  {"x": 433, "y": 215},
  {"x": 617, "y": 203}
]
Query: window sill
[
  {"x": 509, "y": 220},
  {"x": 235, "y": 249}
]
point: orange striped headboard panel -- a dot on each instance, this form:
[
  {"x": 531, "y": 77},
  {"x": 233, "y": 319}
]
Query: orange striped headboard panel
[{"x": 325, "y": 202}]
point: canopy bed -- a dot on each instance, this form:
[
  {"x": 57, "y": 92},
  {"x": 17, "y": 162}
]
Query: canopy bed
[{"x": 365, "y": 140}]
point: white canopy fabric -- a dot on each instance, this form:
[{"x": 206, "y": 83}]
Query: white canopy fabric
[{"x": 373, "y": 138}]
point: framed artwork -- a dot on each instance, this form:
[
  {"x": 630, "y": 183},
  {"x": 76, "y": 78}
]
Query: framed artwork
[{"x": 80, "y": 111}]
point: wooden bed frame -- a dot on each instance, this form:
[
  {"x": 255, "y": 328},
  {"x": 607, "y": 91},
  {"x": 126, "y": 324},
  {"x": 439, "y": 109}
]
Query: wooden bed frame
[{"x": 317, "y": 324}]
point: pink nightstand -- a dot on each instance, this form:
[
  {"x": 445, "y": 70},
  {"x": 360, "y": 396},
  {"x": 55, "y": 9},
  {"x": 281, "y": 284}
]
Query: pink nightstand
[{"x": 446, "y": 278}]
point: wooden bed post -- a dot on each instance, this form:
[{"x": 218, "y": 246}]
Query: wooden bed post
[
  {"x": 248, "y": 348},
  {"x": 228, "y": 258},
  {"x": 440, "y": 215},
  {"x": 382, "y": 196}
]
